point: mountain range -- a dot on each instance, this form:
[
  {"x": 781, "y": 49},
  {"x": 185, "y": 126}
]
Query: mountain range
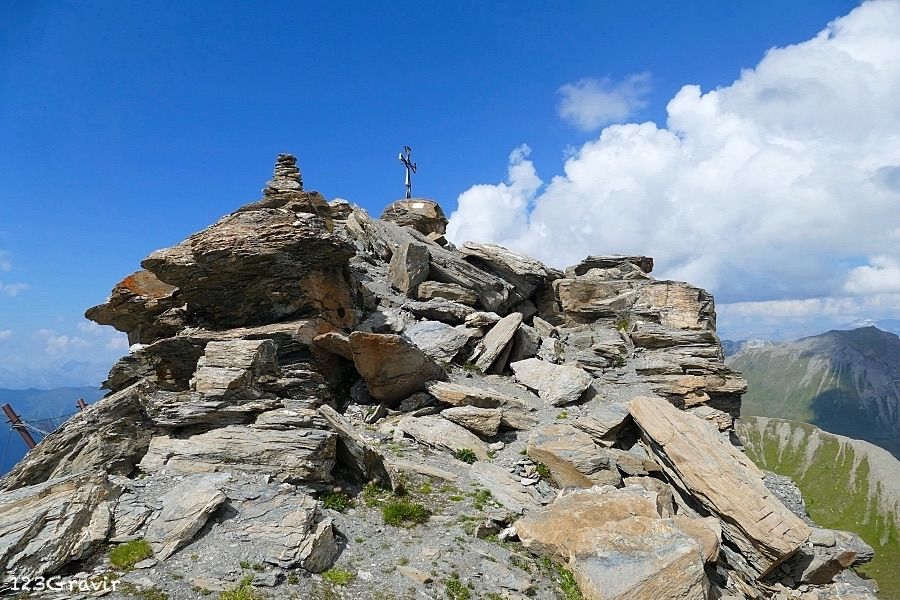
[
  {"x": 46, "y": 408},
  {"x": 845, "y": 382}
]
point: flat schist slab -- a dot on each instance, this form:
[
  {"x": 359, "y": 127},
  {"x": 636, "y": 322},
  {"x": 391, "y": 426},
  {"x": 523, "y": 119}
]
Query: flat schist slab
[
  {"x": 289, "y": 455},
  {"x": 705, "y": 467}
]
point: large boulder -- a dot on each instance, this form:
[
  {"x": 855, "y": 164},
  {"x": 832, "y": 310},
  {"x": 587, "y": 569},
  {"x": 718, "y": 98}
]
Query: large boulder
[
  {"x": 110, "y": 435},
  {"x": 392, "y": 367},
  {"x": 617, "y": 546},
  {"x": 292, "y": 455},
  {"x": 707, "y": 470},
  {"x": 425, "y": 216},
  {"x": 263, "y": 263}
]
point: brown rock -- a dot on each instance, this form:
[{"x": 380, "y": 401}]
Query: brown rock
[
  {"x": 392, "y": 367},
  {"x": 135, "y": 305},
  {"x": 706, "y": 532},
  {"x": 449, "y": 291},
  {"x": 702, "y": 464},
  {"x": 425, "y": 216},
  {"x": 335, "y": 342},
  {"x": 463, "y": 395},
  {"x": 483, "y": 421}
]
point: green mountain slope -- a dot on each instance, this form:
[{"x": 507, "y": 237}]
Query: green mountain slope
[
  {"x": 845, "y": 382},
  {"x": 847, "y": 484}
]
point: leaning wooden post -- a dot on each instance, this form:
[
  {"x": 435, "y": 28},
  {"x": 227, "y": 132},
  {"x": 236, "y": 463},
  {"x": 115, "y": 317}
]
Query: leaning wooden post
[{"x": 16, "y": 423}]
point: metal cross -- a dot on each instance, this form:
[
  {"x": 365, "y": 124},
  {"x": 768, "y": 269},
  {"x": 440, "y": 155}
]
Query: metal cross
[{"x": 410, "y": 169}]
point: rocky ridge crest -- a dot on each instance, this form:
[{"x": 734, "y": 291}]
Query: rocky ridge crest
[{"x": 299, "y": 355}]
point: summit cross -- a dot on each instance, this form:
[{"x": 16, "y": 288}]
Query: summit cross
[{"x": 410, "y": 169}]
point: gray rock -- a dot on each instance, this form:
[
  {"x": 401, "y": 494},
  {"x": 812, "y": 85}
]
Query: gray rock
[
  {"x": 185, "y": 509},
  {"x": 482, "y": 319},
  {"x": 45, "y": 526},
  {"x": 604, "y": 423},
  {"x": 438, "y": 340},
  {"x": 440, "y": 433},
  {"x": 234, "y": 364},
  {"x": 408, "y": 268},
  {"x": 555, "y": 384},
  {"x": 503, "y": 487},
  {"x": 292, "y": 455},
  {"x": 356, "y": 451},
  {"x": 495, "y": 342},
  {"x": 525, "y": 343},
  {"x": 440, "y": 309}
]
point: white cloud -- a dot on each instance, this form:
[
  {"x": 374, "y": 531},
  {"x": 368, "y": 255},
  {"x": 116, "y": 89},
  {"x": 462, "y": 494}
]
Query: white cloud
[
  {"x": 592, "y": 103},
  {"x": 772, "y": 188},
  {"x": 882, "y": 274},
  {"x": 63, "y": 344},
  {"x": 12, "y": 289},
  {"x": 5, "y": 262},
  {"x": 5, "y": 334}
]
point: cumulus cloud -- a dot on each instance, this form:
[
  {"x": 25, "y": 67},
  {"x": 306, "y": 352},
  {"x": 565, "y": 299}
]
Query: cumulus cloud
[
  {"x": 60, "y": 344},
  {"x": 776, "y": 187},
  {"x": 591, "y": 103},
  {"x": 5, "y": 334},
  {"x": 882, "y": 274}
]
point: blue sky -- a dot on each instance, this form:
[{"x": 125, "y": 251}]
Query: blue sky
[{"x": 126, "y": 126}]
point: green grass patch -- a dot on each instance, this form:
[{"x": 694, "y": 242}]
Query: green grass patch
[
  {"x": 480, "y": 498},
  {"x": 338, "y": 501},
  {"x": 467, "y": 455},
  {"x": 542, "y": 470},
  {"x": 338, "y": 576},
  {"x": 125, "y": 556},
  {"x": 454, "y": 588},
  {"x": 403, "y": 512},
  {"x": 243, "y": 591}
]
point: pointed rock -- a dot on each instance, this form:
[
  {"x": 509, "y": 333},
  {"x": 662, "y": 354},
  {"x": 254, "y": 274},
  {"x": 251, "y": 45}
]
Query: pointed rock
[
  {"x": 704, "y": 466},
  {"x": 496, "y": 341},
  {"x": 408, "y": 268}
]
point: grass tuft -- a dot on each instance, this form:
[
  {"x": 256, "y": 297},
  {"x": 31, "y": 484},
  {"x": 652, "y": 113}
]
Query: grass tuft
[
  {"x": 338, "y": 576},
  {"x": 244, "y": 591},
  {"x": 125, "y": 556},
  {"x": 338, "y": 501},
  {"x": 467, "y": 455},
  {"x": 402, "y": 512}
]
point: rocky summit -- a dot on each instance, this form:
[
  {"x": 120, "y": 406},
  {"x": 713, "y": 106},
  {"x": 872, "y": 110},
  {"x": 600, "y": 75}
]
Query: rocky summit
[{"x": 321, "y": 404}]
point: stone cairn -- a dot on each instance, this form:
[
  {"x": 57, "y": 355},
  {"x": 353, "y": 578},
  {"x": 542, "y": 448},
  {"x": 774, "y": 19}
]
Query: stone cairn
[{"x": 286, "y": 177}]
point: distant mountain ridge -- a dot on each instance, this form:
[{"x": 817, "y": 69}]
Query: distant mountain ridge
[
  {"x": 38, "y": 405},
  {"x": 845, "y": 382}
]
